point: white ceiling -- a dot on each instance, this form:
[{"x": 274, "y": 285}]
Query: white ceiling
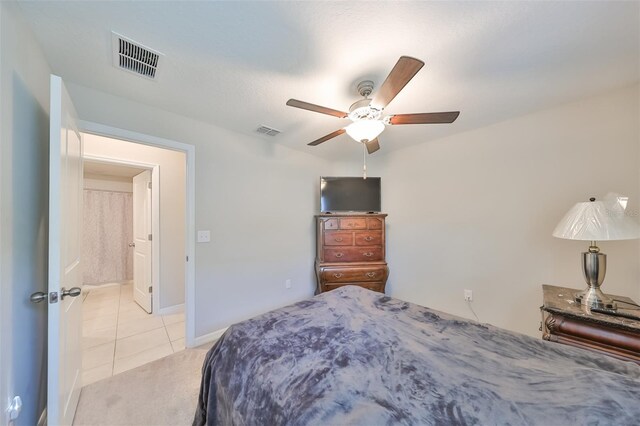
[{"x": 235, "y": 64}]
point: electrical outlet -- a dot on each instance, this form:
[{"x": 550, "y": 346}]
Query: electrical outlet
[
  {"x": 287, "y": 283},
  {"x": 468, "y": 295}
]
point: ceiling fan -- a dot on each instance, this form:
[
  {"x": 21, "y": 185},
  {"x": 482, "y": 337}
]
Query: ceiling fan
[{"x": 366, "y": 114}]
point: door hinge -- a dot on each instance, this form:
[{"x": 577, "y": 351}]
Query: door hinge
[
  {"x": 150, "y": 289},
  {"x": 149, "y": 185},
  {"x": 150, "y": 237},
  {"x": 53, "y": 297}
]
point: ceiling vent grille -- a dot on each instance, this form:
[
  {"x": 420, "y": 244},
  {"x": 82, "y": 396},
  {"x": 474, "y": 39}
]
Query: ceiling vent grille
[
  {"x": 266, "y": 130},
  {"x": 135, "y": 57}
]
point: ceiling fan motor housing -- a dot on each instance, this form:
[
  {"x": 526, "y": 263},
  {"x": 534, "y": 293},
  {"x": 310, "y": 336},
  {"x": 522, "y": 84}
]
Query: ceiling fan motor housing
[{"x": 361, "y": 110}]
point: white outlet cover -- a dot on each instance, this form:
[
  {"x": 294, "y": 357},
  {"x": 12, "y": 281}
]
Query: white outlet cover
[
  {"x": 468, "y": 295},
  {"x": 204, "y": 236}
]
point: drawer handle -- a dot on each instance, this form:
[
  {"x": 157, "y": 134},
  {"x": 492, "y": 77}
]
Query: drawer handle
[
  {"x": 368, "y": 238},
  {"x": 338, "y": 275},
  {"x": 338, "y": 239},
  {"x": 349, "y": 223},
  {"x": 371, "y": 274},
  {"x": 367, "y": 254},
  {"x": 339, "y": 254}
]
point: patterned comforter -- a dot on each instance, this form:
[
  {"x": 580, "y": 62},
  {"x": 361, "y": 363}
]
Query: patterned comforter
[{"x": 352, "y": 356}]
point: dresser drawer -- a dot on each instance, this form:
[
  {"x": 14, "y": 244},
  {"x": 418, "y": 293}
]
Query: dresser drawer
[
  {"x": 336, "y": 238},
  {"x": 353, "y": 254},
  {"x": 349, "y": 275},
  {"x": 374, "y": 223},
  {"x": 330, "y": 223},
  {"x": 375, "y": 286},
  {"x": 353, "y": 223},
  {"x": 368, "y": 238}
]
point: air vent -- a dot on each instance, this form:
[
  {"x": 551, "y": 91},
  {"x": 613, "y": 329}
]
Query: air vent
[
  {"x": 266, "y": 130},
  {"x": 135, "y": 57}
]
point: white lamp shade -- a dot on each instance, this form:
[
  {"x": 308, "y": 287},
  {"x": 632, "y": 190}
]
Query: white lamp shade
[
  {"x": 597, "y": 221},
  {"x": 365, "y": 130}
]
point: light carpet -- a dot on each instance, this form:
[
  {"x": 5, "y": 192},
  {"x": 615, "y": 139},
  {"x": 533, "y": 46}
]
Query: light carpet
[{"x": 163, "y": 392}]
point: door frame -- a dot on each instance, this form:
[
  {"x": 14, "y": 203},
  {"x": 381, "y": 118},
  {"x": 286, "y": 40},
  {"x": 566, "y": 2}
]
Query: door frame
[
  {"x": 155, "y": 219},
  {"x": 190, "y": 192}
]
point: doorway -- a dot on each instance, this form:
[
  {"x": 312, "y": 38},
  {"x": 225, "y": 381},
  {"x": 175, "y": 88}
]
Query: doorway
[
  {"x": 64, "y": 314},
  {"x": 108, "y": 229},
  {"x": 125, "y": 325}
]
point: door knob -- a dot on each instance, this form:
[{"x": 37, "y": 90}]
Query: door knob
[
  {"x": 73, "y": 292},
  {"x": 38, "y": 297},
  {"x": 132, "y": 244}
]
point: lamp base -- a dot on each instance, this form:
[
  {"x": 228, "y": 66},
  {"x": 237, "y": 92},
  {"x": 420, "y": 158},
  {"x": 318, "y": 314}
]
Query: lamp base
[
  {"x": 594, "y": 268},
  {"x": 593, "y": 297}
]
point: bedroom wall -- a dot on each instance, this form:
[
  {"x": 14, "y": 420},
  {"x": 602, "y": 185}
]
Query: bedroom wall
[
  {"x": 172, "y": 205},
  {"x": 257, "y": 198},
  {"x": 476, "y": 210},
  {"x": 24, "y": 136}
]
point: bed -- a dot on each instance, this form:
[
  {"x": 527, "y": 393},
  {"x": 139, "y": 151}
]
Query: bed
[{"x": 353, "y": 356}]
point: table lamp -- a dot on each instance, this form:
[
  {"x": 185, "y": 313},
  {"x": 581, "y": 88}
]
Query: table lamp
[{"x": 597, "y": 221}]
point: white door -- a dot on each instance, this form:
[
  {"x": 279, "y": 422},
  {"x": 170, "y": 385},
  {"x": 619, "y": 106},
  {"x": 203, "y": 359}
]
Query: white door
[
  {"x": 142, "y": 240},
  {"x": 65, "y": 271}
]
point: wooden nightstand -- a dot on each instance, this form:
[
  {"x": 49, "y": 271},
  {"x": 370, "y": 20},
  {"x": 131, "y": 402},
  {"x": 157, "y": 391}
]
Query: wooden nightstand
[{"x": 565, "y": 321}]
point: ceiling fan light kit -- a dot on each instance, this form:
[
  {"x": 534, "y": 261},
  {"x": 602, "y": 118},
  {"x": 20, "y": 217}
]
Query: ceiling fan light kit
[
  {"x": 366, "y": 113},
  {"x": 365, "y": 130}
]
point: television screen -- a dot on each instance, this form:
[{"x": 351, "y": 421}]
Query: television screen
[{"x": 350, "y": 194}]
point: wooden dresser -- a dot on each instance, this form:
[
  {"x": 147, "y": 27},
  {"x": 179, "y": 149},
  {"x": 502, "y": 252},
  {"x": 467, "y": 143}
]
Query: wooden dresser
[
  {"x": 351, "y": 251},
  {"x": 565, "y": 321}
]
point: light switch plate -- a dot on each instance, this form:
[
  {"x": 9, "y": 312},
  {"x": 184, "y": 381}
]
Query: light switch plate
[{"x": 204, "y": 236}]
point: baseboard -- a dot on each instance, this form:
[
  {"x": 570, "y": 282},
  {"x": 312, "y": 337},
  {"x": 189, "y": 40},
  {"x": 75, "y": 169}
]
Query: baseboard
[
  {"x": 210, "y": 337},
  {"x": 175, "y": 309}
]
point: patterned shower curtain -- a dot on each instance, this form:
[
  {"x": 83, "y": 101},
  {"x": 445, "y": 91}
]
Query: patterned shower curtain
[{"x": 108, "y": 230}]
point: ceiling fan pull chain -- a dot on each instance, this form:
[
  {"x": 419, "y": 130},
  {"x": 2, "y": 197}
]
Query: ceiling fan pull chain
[{"x": 364, "y": 158}]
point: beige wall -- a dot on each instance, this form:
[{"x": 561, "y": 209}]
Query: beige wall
[
  {"x": 24, "y": 153},
  {"x": 476, "y": 210},
  {"x": 172, "y": 173}
]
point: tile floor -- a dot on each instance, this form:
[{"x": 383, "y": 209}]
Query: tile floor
[{"x": 118, "y": 335}]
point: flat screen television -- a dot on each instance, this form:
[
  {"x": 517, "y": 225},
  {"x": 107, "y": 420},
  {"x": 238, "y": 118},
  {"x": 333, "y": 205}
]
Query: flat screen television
[{"x": 350, "y": 194}]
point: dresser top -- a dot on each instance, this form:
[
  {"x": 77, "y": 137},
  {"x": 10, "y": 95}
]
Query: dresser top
[
  {"x": 560, "y": 300},
  {"x": 343, "y": 214}
]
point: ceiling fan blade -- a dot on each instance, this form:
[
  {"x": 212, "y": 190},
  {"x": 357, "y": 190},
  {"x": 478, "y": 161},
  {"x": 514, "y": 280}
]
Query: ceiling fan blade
[
  {"x": 373, "y": 146},
  {"x": 316, "y": 108},
  {"x": 327, "y": 137},
  {"x": 424, "y": 118},
  {"x": 400, "y": 75}
]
